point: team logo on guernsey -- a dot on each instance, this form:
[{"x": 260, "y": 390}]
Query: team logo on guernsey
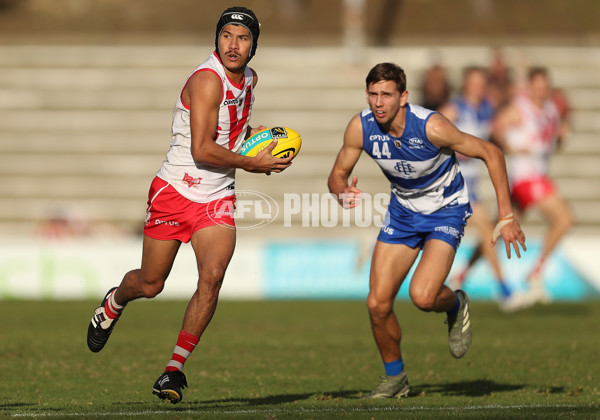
[
  {"x": 278, "y": 133},
  {"x": 405, "y": 167},
  {"x": 398, "y": 144},
  {"x": 190, "y": 181}
]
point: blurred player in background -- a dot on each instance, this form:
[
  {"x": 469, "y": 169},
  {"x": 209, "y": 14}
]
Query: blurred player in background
[
  {"x": 191, "y": 190},
  {"x": 435, "y": 88},
  {"x": 428, "y": 209},
  {"x": 561, "y": 102},
  {"x": 472, "y": 112},
  {"x": 500, "y": 84},
  {"x": 529, "y": 130}
]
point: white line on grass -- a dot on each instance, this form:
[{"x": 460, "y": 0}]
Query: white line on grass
[{"x": 297, "y": 410}]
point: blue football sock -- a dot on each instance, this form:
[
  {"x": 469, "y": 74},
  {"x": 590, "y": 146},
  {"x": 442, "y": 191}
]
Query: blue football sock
[
  {"x": 504, "y": 290},
  {"x": 454, "y": 310},
  {"x": 394, "y": 368}
]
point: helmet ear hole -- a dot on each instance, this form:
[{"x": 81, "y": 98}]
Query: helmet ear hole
[{"x": 239, "y": 16}]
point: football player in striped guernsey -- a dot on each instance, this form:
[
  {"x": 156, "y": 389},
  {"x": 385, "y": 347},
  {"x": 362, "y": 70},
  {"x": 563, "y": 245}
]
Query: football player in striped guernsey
[
  {"x": 415, "y": 148},
  {"x": 192, "y": 196}
]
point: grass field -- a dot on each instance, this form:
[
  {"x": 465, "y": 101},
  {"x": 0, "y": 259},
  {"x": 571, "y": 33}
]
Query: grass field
[{"x": 291, "y": 359}]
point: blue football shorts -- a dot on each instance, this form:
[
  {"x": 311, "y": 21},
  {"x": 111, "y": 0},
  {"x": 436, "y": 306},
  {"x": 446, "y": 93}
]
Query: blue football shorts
[{"x": 402, "y": 226}]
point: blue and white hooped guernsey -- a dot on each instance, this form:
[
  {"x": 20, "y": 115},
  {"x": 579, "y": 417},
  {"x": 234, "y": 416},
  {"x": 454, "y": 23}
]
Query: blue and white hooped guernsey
[
  {"x": 424, "y": 178},
  {"x": 475, "y": 120}
]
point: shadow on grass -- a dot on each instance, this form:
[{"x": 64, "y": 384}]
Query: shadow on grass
[
  {"x": 262, "y": 401},
  {"x": 16, "y": 405},
  {"x": 26, "y": 409},
  {"x": 469, "y": 388},
  {"x": 285, "y": 398}
]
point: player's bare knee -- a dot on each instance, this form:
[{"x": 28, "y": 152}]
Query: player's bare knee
[
  {"x": 132, "y": 276},
  {"x": 212, "y": 277},
  {"x": 567, "y": 221},
  {"x": 423, "y": 301},
  {"x": 562, "y": 224},
  {"x": 143, "y": 285},
  {"x": 378, "y": 307},
  {"x": 151, "y": 288}
]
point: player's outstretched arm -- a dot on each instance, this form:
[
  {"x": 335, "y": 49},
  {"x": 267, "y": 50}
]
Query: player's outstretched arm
[
  {"x": 347, "y": 195},
  {"x": 508, "y": 117},
  {"x": 443, "y": 133}
]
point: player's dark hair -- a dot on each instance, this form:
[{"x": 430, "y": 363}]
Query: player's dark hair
[
  {"x": 537, "y": 71},
  {"x": 387, "y": 72},
  {"x": 243, "y": 17},
  {"x": 470, "y": 69}
]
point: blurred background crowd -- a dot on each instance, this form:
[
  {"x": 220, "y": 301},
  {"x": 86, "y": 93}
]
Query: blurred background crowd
[{"x": 88, "y": 86}]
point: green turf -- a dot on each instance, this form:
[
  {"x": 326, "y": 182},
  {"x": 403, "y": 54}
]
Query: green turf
[{"x": 288, "y": 359}]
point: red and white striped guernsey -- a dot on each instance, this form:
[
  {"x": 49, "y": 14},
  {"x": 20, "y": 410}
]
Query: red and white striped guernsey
[
  {"x": 196, "y": 181},
  {"x": 537, "y": 133}
]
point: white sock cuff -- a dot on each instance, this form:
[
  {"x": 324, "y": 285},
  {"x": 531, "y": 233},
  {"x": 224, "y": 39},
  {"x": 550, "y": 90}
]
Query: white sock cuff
[{"x": 111, "y": 301}]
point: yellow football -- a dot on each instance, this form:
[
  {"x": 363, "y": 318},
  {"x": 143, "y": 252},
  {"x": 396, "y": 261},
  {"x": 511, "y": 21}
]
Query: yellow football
[{"x": 288, "y": 142}]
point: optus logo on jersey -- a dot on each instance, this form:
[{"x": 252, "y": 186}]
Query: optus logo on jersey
[{"x": 379, "y": 137}]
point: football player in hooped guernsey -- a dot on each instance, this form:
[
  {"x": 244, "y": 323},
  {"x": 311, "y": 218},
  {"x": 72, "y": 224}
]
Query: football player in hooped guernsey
[
  {"x": 428, "y": 209},
  {"x": 194, "y": 184}
]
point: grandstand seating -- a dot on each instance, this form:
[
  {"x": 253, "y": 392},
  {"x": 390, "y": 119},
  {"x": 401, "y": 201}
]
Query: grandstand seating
[{"x": 83, "y": 129}]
